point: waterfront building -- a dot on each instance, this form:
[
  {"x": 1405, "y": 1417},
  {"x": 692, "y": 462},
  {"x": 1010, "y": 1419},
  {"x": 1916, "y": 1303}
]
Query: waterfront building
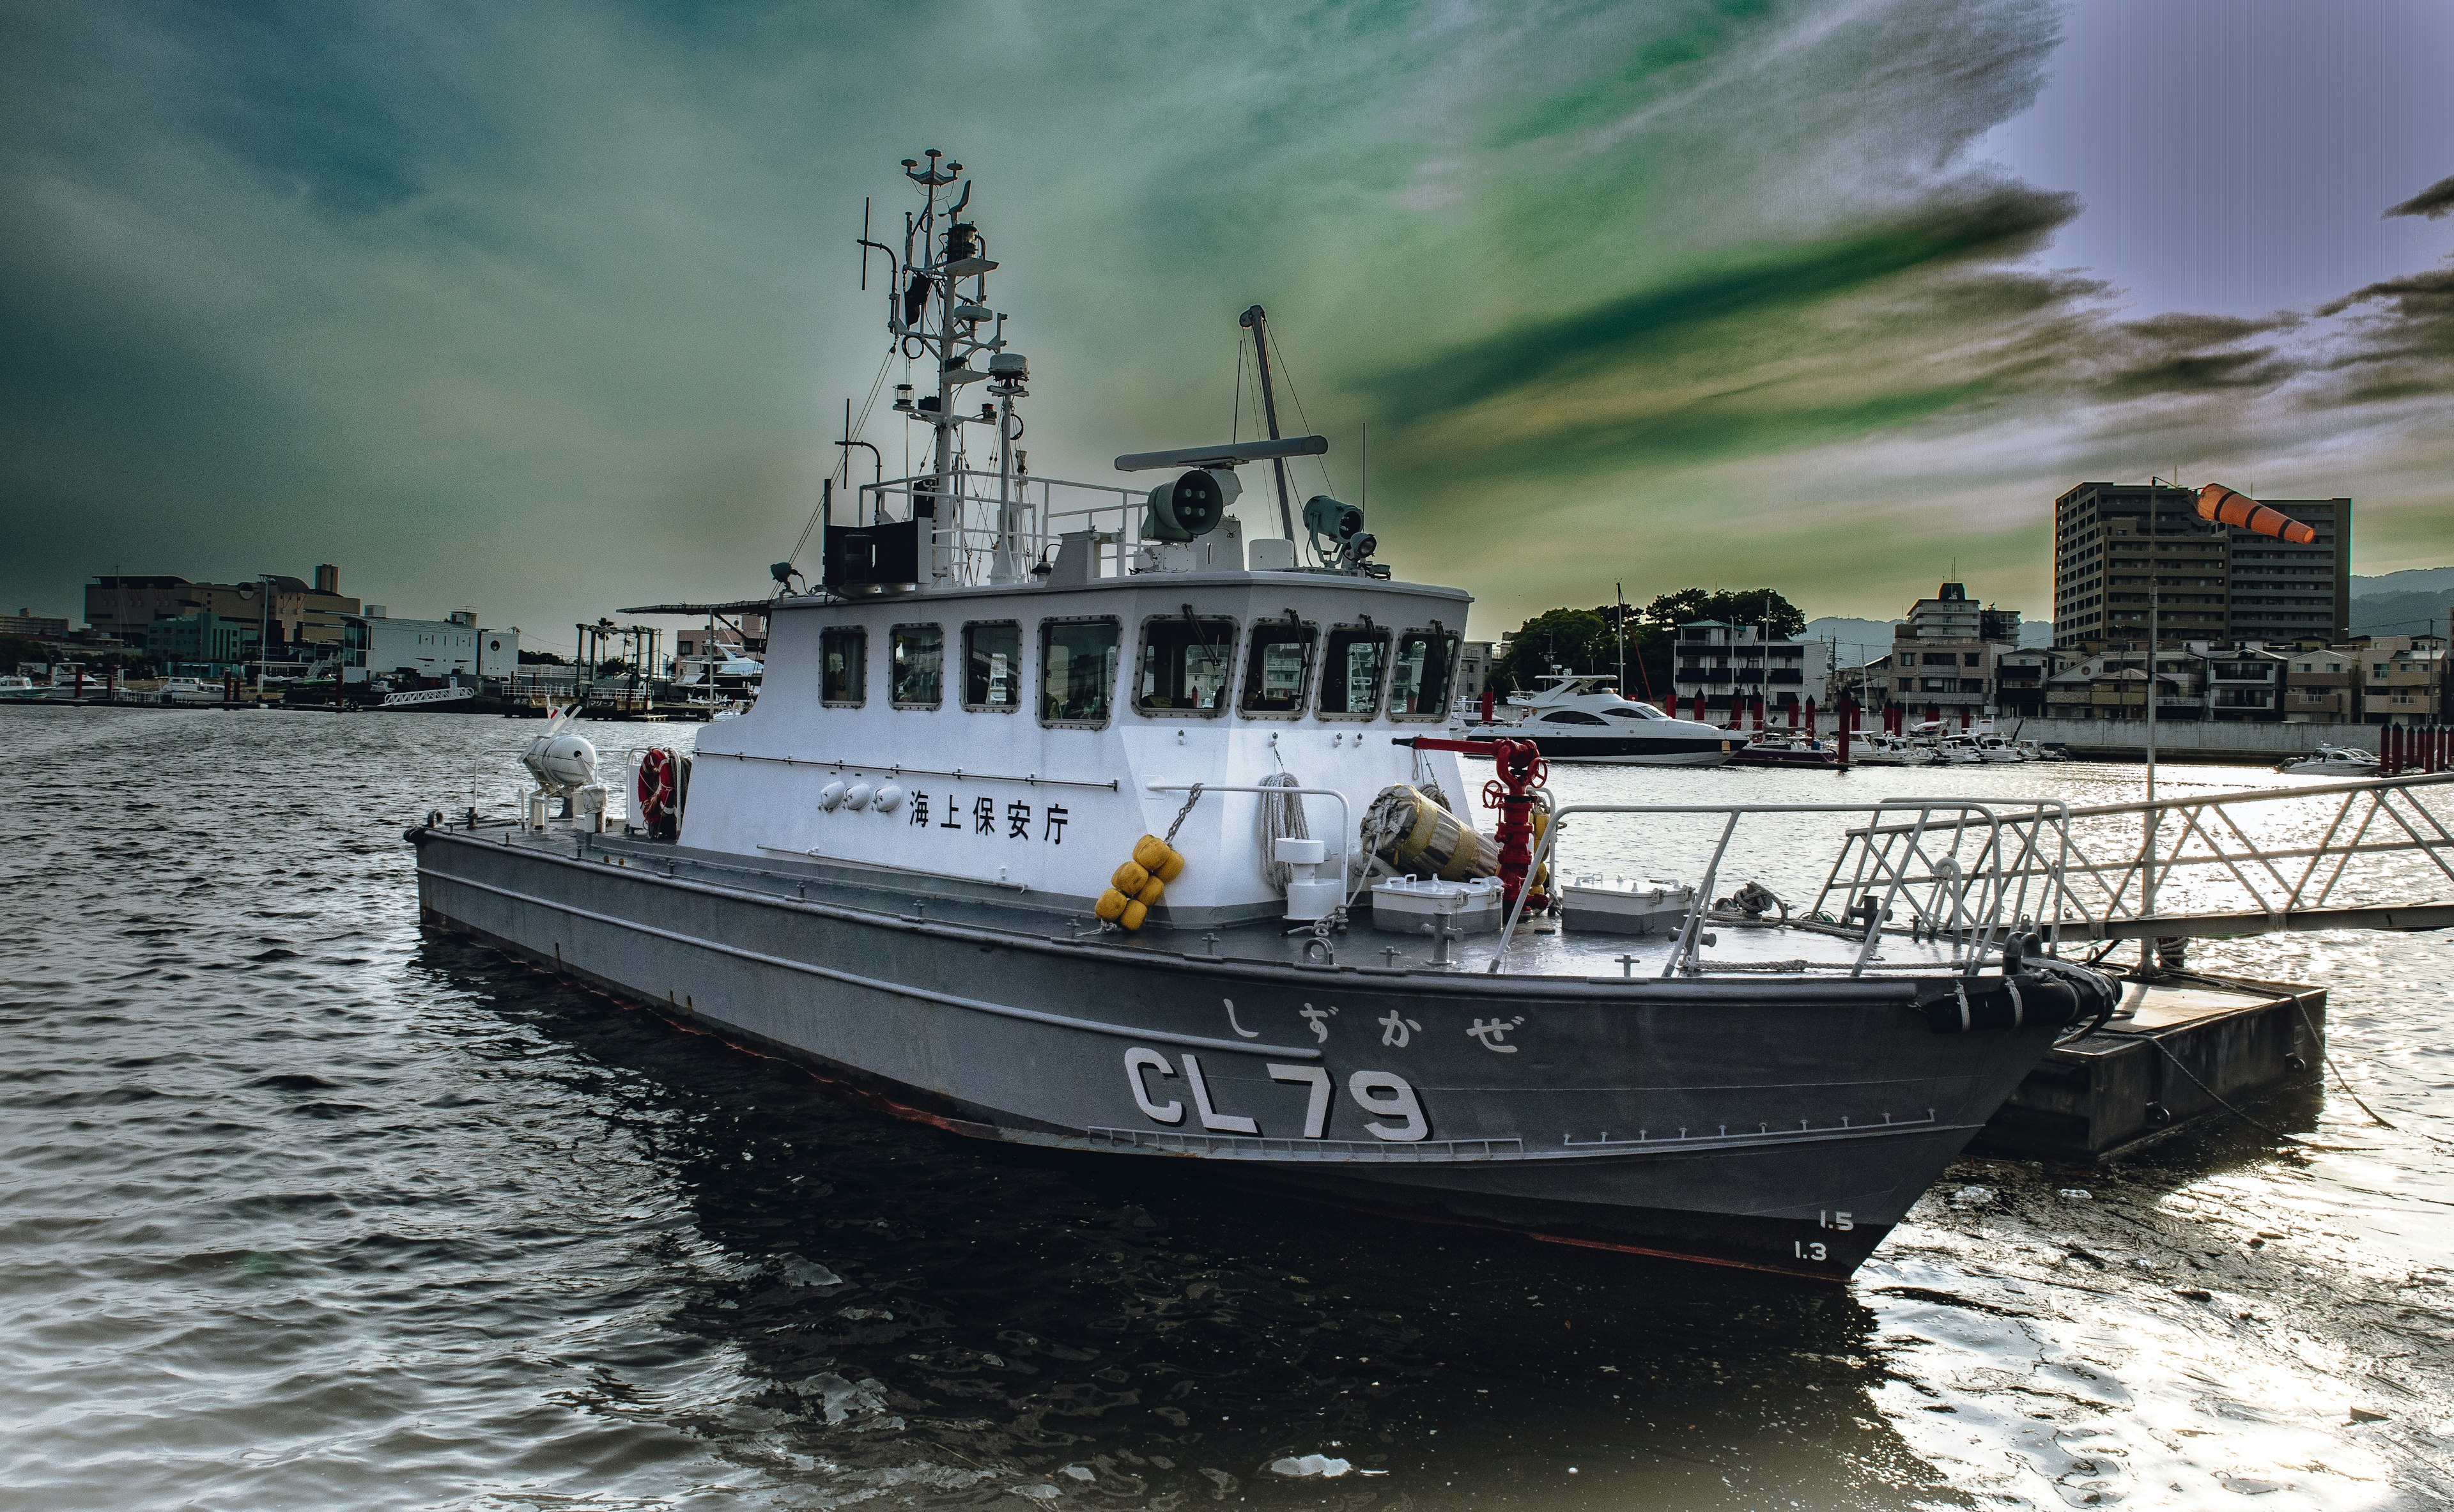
[
  {"x": 36, "y": 627},
  {"x": 376, "y": 645},
  {"x": 2323, "y": 686},
  {"x": 2242, "y": 682},
  {"x": 201, "y": 639},
  {"x": 2209, "y": 582},
  {"x": 2113, "y": 685},
  {"x": 2020, "y": 677},
  {"x": 2404, "y": 679},
  {"x": 1945, "y": 655},
  {"x": 296, "y": 612},
  {"x": 1724, "y": 662}
]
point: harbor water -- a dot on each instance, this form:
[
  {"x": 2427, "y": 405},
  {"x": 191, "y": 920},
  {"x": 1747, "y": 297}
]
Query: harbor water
[{"x": 304, "y": 1207}]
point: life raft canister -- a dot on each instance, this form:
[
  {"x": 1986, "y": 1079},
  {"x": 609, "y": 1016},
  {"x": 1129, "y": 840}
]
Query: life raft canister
[{"x": 657, "y": 792}]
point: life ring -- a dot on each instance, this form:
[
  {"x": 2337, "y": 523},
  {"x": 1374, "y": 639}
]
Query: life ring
[{"x": 655, "y": 793}]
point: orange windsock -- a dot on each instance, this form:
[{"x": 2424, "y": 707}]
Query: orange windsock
[{"x": 2217, "y": 502}]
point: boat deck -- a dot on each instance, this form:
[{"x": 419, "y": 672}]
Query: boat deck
[{"x": 1541, "y": 948}]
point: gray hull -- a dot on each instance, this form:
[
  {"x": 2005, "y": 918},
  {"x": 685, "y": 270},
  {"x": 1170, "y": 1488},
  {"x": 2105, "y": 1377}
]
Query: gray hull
[{"x": 1779, "y": 1123}]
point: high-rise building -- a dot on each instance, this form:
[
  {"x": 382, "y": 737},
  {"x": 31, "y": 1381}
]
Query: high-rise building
[
  {"x": 2208, "y": 582},
  {"x": 2283, "y": 593}
]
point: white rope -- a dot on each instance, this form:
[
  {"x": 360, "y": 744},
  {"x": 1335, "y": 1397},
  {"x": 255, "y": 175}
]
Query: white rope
[{"x": 1281, "y": 817}]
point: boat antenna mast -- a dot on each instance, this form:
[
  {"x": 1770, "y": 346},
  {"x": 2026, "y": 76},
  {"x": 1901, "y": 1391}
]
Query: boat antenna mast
[
  {"x": 1255, "y": 321},
  {"x": 936, "y": 320}
]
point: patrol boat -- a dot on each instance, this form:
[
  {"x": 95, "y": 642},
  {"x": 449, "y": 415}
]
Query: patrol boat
[{"x": 1068, "y": 817}]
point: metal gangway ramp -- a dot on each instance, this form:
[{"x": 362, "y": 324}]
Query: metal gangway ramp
[{"x": 2373, "y": 853}]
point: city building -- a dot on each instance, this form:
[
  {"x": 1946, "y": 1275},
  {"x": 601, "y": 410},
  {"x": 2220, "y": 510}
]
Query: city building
[
  {"x": 379, "y": 646},
  {"x": 2282, "y": 593},
  {"x": 2113, "y": 685},
  {"x": 2209, "y": 582},
  {"x": 498, "y": 653},
  {"x": 2323, "y": 686},
  {"x": 1725, "y": 663},
  {"x": 2242, "y": 682},
  {"x": 289, "y": 611},
  {"x": 200, "y": 640},
  {"x": 1945, "y": 655},
  {"x": 2404, "y": 681},
  {"x": 2020, "y": 678},
  {"x": 1475, "y": 661},
  {"x": 38, "y": 627}
]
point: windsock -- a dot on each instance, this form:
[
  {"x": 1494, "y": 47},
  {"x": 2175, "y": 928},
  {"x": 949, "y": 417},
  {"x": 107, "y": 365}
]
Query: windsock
[{"x": 2217, "y": 502}]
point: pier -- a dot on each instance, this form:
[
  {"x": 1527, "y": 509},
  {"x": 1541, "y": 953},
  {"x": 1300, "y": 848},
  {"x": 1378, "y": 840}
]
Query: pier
[{"x": 2178, "y": 1052}]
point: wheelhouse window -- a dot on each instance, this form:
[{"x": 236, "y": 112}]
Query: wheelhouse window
[
  {"x": 1078, "y": 670},
  {"x": 917, "y": 658},
  {"x": 992, "y": 667},
  {"x": 1351, "y": 667},
  {"x": 1186, "y": 665},
  {"x": 843, "y": 666},
  {"x": 1426, "y": 663},
  {"x": 1278, "y": 666},
  {"x": 1572, "y": 717}
]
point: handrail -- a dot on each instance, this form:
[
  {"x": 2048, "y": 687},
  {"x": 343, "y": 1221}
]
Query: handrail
[
  {"x": 1966, "y": 921},
  {"x": 1345, "y": 847}
]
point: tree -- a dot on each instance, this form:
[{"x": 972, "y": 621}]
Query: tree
[
  {"x": 1779, "y": 618},
  {"x": 1556, "y": 640}
]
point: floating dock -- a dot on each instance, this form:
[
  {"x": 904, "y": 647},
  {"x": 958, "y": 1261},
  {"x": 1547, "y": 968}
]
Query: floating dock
[{"x": 2177, "y": 1047}]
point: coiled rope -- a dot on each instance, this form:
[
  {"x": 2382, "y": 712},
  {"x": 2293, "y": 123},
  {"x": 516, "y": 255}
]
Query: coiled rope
[{"x": 1281, "y": 817}]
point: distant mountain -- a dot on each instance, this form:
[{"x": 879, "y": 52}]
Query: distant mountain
[
  {"x": 2414, "y": 580},
  {"x": 2404, "y": 613},
  {"x": 1863, "y": 640}
]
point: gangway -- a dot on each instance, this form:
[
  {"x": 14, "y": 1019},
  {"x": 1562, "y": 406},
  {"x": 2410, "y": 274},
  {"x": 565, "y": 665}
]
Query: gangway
[
  {"x": 1965, "y": 876},
  {"x": 2222, "y": 865}
]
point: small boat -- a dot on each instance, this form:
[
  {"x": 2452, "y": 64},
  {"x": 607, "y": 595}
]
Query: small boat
[
  {"x": 17, "y": 688},
  {"x": 189, "y": 691},
  {"x": 2332, "y": 760},
  {"x": 1881, "y": 750},
  {"x": 1581, "y": 716},
  {"x": 1788, "y": 751}
]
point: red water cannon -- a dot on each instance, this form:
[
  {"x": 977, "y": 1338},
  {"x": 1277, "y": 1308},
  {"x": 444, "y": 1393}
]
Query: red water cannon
[{"x": 1522, "y": 772}]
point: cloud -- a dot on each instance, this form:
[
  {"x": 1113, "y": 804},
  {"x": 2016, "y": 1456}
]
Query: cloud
[
  {"x": 2437, "y": 199},
  {"x": 463, "y": 295}
]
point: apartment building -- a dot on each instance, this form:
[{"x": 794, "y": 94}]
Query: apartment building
[
  {"x": 2403, "y": 680},
  {"x": 2281, "y": 592},
  {"x": 1946, "y": 656},
  {"x": 1729, "y": 664},
  {"x": 2120, "y": 549}
]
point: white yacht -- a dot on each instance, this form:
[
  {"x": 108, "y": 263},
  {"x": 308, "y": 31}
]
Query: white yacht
[
  {"x": 2332, "y": 760},
  {"x": 1582, "y": 716}
]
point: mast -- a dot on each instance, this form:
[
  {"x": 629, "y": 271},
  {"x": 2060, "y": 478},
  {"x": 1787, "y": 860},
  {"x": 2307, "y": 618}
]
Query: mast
[
  {"x": 931, "y": 320},
  {"x": 1260, "y": 325}
]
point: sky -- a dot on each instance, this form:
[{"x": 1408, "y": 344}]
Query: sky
[{"x": 549, "y": 308}]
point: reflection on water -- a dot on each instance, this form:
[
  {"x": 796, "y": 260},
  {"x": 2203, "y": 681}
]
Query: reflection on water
[{"x": 304, "y": 1208}]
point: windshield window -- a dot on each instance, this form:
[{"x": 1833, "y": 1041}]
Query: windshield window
[
  {"x": 918, "y": 656},
  {"x": 1350, "y": 675},
  {"x": 843, "y": 654},
  {"x": 1419, "y": 687},
  {"x": 992, "y": 667},
  {"x": 1077, "y": 669},
  {"x": 1277, "y": 667},
  {"x": 1185, "y": 667}
]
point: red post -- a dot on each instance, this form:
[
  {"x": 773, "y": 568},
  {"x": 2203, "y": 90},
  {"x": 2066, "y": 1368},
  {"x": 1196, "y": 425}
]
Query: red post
[
  {"x": 1964, "y": 718},
  {"x": 110, "y": 685},
  {"x": 1755, "y": 706},
  {"x": 1792, "y": 715},
  {"x": 1490, "y": 705},
  {"x": 1841, "y": 720},
  {"x": 80, "y": 682},
  {"x": 1810, "y": 718}
]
